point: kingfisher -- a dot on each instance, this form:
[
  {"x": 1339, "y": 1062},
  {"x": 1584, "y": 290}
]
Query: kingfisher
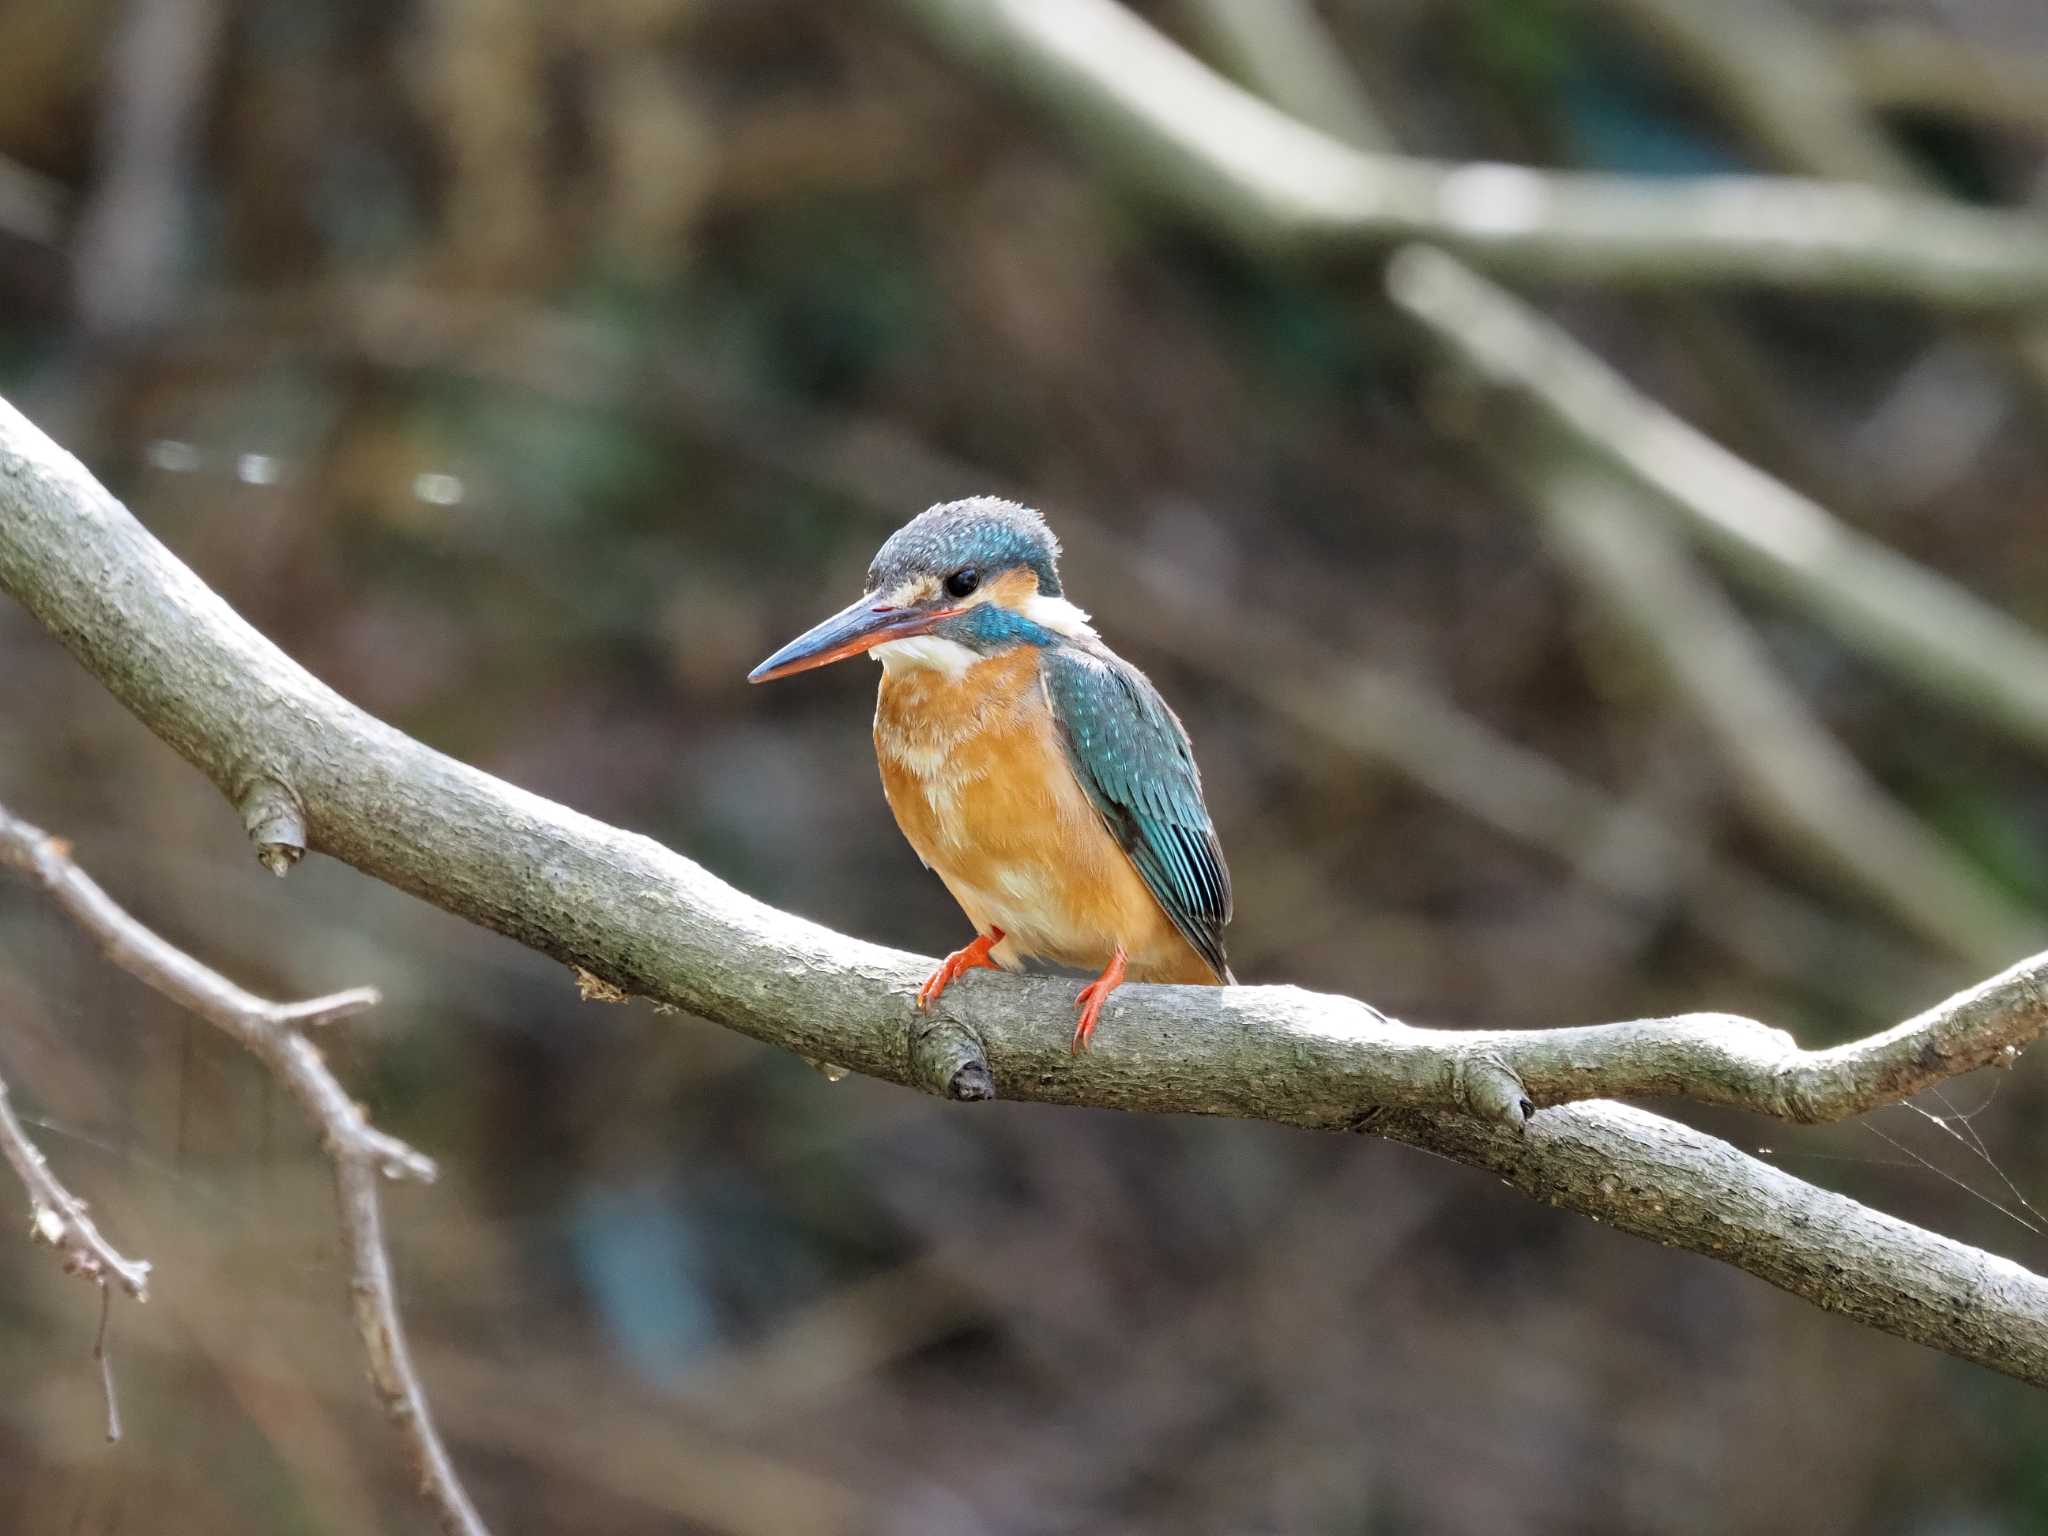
[{"x": 1035, "y": 771}]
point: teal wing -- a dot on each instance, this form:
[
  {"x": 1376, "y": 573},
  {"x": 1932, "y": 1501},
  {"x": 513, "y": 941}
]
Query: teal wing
[{"x": 1134, "y": 763}]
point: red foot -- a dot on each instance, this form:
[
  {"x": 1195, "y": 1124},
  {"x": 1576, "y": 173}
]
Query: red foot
[
  {"x": 957, "y": 964},
  {"x": 1093, "y": 996}
]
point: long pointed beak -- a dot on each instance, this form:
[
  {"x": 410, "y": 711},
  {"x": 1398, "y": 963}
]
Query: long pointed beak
[{"x": 860, "y": 627}]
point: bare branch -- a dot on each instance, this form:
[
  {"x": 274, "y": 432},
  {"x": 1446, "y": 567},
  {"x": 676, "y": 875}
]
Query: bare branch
[
  {"x": 651, "y": 922},
  {"x": 58, "y": 1217},
  {"x": 1185, "y": 133},
  {"x": 105, "y": 1362},
  {"x": 1650, "y": 1176},
  {"x": 1784, "y": 77},
  {"x": 1255, "y": 171},
  {"x": 1270, "y": 43},
  {"x": 1916, "y": 69},
  {"x": 32, "y": 207},
  {"x": 1780, "y": 75},
  {"x": 360, "y": 1153},
  {"x": 1931, "y": 631},
  {"x": 1801, "y": 782}
]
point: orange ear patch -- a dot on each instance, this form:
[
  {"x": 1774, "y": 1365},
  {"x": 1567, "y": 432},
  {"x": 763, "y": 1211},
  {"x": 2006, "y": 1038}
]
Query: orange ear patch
[{"x": 1013, "y": 589}]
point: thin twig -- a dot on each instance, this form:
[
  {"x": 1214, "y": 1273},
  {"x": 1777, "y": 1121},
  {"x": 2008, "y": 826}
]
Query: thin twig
[
  {"x": 58, "y": 1217},
  {"x": 360, "y": 1153},
  {"x": 105, "y": 1362}
]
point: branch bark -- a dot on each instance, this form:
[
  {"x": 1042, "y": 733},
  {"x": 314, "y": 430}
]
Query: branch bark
[
  {"x": 360, "y": 1153},
  {"x": 651, "y": 922},
  {"x": 1188, "y": 135}
]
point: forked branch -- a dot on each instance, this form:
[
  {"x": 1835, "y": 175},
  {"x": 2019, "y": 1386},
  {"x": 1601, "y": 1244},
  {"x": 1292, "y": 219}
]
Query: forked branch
[{"x": 361, "y": 1154}]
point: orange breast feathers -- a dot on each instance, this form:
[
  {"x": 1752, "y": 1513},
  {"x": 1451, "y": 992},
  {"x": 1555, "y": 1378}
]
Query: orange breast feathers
[{"x": 975, "y": 771}]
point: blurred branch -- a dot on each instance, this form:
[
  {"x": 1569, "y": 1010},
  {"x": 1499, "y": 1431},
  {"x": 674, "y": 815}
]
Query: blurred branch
[
  {"x": 1181, "y": 130},
  {"x": 31, "y": 205},
  {"x": 1798, "y": 778},
  {"x": 1924, "y": 626},
  {"x": 1784, "y": 78},
  {"x": 1113, "y": 73},
  {"x": 272, "y": 1033},
  {"x": 1284, "y": 49},
  {"x": 1912, "y": 69},
  {"x": 1779, "y": 74},
  {"x": 649, "y": 921},
  {"x": 129, "y": 244}
]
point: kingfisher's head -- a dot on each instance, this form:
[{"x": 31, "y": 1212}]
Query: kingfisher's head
[{"x": 958, "y": 583}]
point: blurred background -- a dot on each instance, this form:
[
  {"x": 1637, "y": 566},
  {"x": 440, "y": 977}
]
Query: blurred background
[{"x": 528, "y": 372}]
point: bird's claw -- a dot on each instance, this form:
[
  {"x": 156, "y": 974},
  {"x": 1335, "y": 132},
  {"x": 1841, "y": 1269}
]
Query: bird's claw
[
  {"x": 1092, "y": 997},
  {"x": 957, "y": 964}
]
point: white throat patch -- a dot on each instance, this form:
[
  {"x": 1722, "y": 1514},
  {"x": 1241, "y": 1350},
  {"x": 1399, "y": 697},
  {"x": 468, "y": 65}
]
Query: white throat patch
[{"x": 932, "y": 652}]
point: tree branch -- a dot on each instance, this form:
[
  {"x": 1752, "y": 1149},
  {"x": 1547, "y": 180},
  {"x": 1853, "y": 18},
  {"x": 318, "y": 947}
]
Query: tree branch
[
  {"x": 1780, "y": 75},
  {"x": 1796, "y": 776},
  {"x": 631, "y": 912},
  {"x": 1371, "y": 714},
  {"x": 360, "y": 1153},
  {"x": 1242, "y": 163},
  {"x": 1187, "y": 134},
  {"x": 1783, "y": 77},
  {"x": 32, "y": 207},
  {"x": 1797, "y": 779},
  {"x": 1900, "y": 67},
  {"x": 58, "y": 1217},
  {"x": 1931, "y": 631}
]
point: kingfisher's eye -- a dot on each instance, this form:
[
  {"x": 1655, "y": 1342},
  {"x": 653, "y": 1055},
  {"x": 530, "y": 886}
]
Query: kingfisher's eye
[{"x": 963, "y": 581}]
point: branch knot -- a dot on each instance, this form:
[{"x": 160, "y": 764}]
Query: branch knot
[{"x": 1483, "y": 1084}]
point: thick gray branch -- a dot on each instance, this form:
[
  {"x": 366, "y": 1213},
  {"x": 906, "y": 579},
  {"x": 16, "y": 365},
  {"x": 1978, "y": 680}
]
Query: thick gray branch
[
  {"x": 1184, "y": 132},
  {"x": 1677, "y": 1186},
  {"x": 647, "y": 920}
]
